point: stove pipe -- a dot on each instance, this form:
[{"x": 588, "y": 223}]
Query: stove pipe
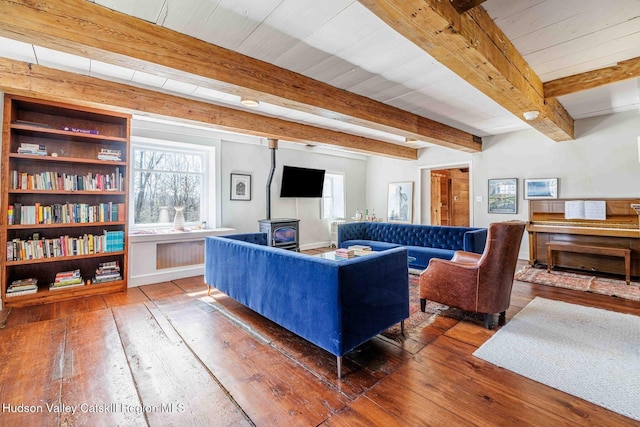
[{"x": 273, "y": 146}]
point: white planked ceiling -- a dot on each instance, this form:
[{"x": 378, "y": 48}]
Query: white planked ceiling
[{"x": 341, "y": 43}]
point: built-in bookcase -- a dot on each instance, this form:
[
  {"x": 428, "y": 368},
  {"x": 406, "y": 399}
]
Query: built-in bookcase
[{"x": 64, "y": 199}]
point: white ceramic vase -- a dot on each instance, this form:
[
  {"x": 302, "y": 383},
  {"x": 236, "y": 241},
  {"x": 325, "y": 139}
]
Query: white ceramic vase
[{"x": 178, "y": 220}]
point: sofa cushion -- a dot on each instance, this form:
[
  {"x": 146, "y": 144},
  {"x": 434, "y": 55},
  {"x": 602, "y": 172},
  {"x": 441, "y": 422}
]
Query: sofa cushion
[
  {"x": 422, "y": 255},
  {"x": 375, "y": 245}
]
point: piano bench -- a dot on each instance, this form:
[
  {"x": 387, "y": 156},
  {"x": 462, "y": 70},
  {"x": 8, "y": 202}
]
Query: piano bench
[{"x": 590, "y": 249}]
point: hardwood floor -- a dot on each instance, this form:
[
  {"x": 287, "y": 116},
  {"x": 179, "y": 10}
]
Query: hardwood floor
[{"x": 170, "y": 354}]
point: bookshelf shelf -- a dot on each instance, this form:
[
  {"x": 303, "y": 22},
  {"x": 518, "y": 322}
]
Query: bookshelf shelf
[
  {"x": 50, "y": 159},
  {"x": 63, "y": 134},
  {"x": 44, "y": 295},
  {"x": 50, "y": 146},
  {"x": 64, "y": 258},
  {"x": 69, "y": 192},
  {"x": 66, "y": 225}
]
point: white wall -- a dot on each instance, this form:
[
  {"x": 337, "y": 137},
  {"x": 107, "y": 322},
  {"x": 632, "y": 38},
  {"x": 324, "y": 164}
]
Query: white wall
[
  {"x": 255, "y": 160},
  {"x": 601, "y": 162}
]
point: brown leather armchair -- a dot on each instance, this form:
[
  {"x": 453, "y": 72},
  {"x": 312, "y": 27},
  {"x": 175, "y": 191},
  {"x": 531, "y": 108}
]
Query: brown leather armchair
[{"x": 473, "y": 282}]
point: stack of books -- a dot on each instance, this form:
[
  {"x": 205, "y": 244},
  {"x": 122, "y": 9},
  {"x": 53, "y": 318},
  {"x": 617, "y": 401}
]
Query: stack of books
[
  {"x": 22, "y": 287},
  {"x": 345, "y": 253},
  {"x": 361, "y": 250},
  {"x": 67, "y": 279},
  {"x": 37, "y": 149},
  {"x": 108, "y": 154},
  {"x": 107, "y": 272}
]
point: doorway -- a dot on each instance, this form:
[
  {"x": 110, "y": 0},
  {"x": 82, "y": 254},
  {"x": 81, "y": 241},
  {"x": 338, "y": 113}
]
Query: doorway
[{"x": 450, "y": 197}]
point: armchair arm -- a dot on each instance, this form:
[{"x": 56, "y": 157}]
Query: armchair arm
[{"x": 466, "y": 257}]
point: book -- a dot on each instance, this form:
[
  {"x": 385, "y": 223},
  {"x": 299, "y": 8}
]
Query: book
[
  {"x": 53, "y": 287},
  {"x": 22, "y": 292},
  {"x": 80, "y": 130},
  {"x": 360, "y": 247}
]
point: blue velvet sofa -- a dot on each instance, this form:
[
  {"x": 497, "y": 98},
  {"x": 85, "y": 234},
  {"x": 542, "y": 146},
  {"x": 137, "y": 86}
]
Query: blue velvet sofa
[
  {"x": 422, "y": 241},
  {"x": 336, "y": 305}
]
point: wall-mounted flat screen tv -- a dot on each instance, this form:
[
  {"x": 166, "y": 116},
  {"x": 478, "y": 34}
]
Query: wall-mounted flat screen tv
[{"x": 301, "y": 182}]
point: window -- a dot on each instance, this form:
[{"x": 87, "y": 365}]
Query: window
[
  {"x": 165, "y": 177},
  {"x": 333, "y": 196}
]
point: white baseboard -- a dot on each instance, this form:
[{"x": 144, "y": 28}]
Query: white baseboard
[{"x": 166, "y": 275}]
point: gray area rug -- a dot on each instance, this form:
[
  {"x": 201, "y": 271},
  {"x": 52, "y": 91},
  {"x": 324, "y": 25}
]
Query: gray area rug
[{"x": 589, "y": 353}]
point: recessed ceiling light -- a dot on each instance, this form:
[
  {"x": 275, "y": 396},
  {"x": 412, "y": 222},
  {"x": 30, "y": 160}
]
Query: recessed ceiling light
[
  {"x": 531, "y": 115},
  {"x": 248, "y": 102},
  {"x": 410, "y": 140}
]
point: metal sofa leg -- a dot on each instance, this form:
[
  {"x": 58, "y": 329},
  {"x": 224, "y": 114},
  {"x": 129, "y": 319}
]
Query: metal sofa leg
[
  {"x": 488, "y": 320},
  {"x": 423, "y": 304},
  {"x": 339, "y": 360}
]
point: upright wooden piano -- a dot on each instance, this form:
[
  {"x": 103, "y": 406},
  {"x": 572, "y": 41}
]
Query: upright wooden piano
[{"x": 619, "y": 229}]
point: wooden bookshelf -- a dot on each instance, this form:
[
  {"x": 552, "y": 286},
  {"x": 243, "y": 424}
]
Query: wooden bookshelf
[{"x": 73, "y": 138}]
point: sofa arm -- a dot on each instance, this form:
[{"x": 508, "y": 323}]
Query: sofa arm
[
  {"x": 475, "y": 240},
  {"x": 352, "y": 231},
  {"x": 257, "y": 238}
]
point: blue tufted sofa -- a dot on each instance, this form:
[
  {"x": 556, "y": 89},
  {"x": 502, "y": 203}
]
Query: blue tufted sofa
[
  {"x": 423, "y": 242},
  {"x": 336, "y": 305}
]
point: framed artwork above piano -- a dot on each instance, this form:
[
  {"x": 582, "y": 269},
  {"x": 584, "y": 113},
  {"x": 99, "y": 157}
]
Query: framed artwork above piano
[{"x": 620, "y": 228}]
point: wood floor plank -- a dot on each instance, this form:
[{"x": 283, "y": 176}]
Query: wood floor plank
[
  {"x": 470, "y": 333},
  {"x": 362, "y": 412},
  {"x": 80, "y": 305},
  {"x": 539, "y": 403},
  {"x": 90, "y": 358},
  {"x": 29, "y": 373},
  {"x": 161, "y": 290},
  {"x": 397, "y": 395},
  {"x": 441, "y": 386},
  {"x": 194, "y": 284},
  {"x": 36, "y": 313},
  {"x": 131, "y": 296},
  {"x": 173, "y": 385},
  {"x": 274, "y": 389}
]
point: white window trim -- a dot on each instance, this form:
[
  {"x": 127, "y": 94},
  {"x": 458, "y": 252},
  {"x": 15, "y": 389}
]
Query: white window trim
[
  {"x": 344, "y": 197},
  {"x": 207, "y": 211}
]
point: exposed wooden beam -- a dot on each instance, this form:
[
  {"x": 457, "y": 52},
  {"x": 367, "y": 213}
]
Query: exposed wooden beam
[
  {"x": 621, "y": 71},
  {"x": 86, "y": 29},
  {"x": 464, "y": 5},
  {"x": 32, "y": 80},
  {"x": 472, "y": 46}
]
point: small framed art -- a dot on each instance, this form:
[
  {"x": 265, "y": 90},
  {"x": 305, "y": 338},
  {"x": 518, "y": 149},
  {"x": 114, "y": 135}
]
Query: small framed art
[
  {"x": 541, "y": 188},
  {"x": 240, "y": 186},
  {"x": 400, "y": 202},
  {"x": 503, "y": 195}
]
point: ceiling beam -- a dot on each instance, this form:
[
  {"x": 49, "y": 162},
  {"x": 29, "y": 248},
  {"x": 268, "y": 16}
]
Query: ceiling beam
[
  {"x": 472, "y": 46},
  {"x": 83, "y": 28},
  {"x": 32, "y": 80},
  {"x": 621, "y": 71},
  {"x": 464, "y": 5}
]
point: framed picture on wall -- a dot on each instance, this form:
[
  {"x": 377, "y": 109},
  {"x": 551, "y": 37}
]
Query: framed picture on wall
[
  {"x": 541, "y": 188},
  {"x": 240, "y": 186},
  {"x": 503, "y": 195},
  {"x": 400, "y": 202}
]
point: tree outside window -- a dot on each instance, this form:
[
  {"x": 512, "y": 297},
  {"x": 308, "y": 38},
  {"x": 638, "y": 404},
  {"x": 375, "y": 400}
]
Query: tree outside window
[{"x": 164, "y": 179}]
